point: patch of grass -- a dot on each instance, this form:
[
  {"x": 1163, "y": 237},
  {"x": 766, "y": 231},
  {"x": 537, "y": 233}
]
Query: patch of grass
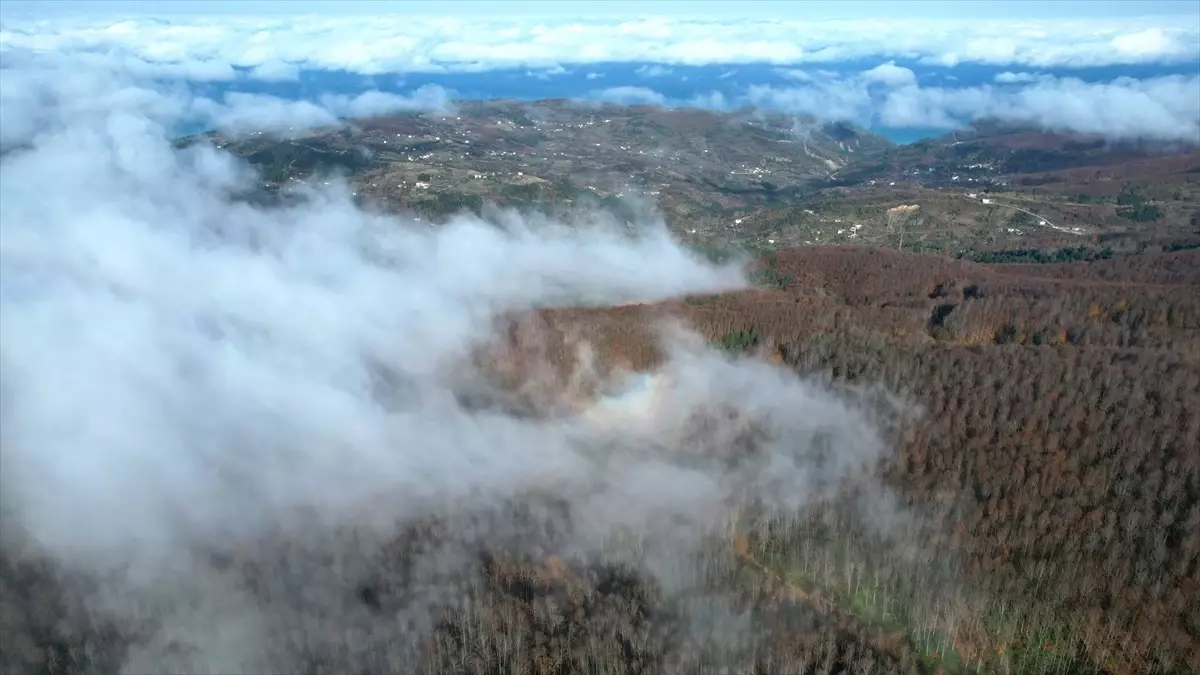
[
  {"x": 740, "y": 340},
  {"x": 1180, "y": 246},
  {"x": 1142, "y": 213},
  {"x": 871, "y": 605},
  {"x": 1041, "y": 256},
  {"x": 771, "y": 276},
  {"x": 822, "y": 563}
]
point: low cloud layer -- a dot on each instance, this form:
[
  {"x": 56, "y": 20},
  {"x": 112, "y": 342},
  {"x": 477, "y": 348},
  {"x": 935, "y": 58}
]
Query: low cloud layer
[
  {"x": 628, "y": 95},
  {"x": 1162, "y": 108},
  {"x": 38, "y": 93},
  {"x": 185, "y": 377},
  {"x": 888, "y": 95},
  {"x": 260, "y": 112},
  {"x": 277, "y": 50},
  {"x": 383, "y": 44}
]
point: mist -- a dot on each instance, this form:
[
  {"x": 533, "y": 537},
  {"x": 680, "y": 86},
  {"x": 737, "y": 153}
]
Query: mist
[
  {"x": 43, "y": 93},
  {"x": 186, "y": 376},
  {"x": 1162, "y": 108}
]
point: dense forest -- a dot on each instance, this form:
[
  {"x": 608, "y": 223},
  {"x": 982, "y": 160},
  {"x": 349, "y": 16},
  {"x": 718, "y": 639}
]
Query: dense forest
[
  {"x": 1050, "y": 486},
  {"x": 1057, "y": 460}
]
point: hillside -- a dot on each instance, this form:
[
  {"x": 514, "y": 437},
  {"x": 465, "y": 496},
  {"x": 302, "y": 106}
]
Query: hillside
[
  {"x": 1030, "y": 383},
  {"x": 1051, "y": 485},
  {"x": 996, "y": 154},
  {"x": 1056, "y": 463},
  {"x": 561, "y": 153},
  {"x": 994, "y": 188},
  {"x": 722, "y": 180}
]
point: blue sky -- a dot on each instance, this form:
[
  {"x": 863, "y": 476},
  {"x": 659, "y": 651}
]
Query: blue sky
[
  {"x": 810, "y": 9},
  {"x": 1118, "y": 68}
]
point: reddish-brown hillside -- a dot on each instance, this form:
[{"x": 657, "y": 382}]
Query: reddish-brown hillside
[{"x": 1061, "y": 434}]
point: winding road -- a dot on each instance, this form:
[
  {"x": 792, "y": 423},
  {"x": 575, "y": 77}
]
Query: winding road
[{"x": 1041, "y": 220}]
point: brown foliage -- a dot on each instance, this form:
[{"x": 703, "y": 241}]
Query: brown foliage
[
  {"x": 1060, "y": 446},
  {"x": 1061, "y": 423}
]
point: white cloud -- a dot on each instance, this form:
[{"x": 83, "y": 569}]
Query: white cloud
[
  {"x": 547, "y": 73},
  {"x": 890, "y": 74},
  {"x": 714, "y": 100},
  {"x": 627, "y": 95},
  {"x": 381, "y": 44},
  {"x": 207, "y": 70},
  {"x": 30, "y": 87},
  {"x": 1164, "y": 108},
  {"x": 653, "y": 71},
  {"x": 239, "y": 112},
  {"x": 374, "y": 103},
  {"x": 1146, "y": 43},
  {"x": 275, "y": 71},
  {"x": 184, "y": 374},
  {"x": 630, "y": 95},
  {"x": 1009, "y": 77},
  {"x": 795, "y": 74},
  {"x": 277, "y": 49},
  {"x": 850, "y": 102}
]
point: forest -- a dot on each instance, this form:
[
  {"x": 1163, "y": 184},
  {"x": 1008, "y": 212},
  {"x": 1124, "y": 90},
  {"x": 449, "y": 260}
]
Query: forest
[
  {"x": 1050, "y": 492},
  {"x": 1056, "y": 465}
]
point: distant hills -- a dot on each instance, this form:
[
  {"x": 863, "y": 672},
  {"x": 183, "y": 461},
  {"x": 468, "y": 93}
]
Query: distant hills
[
  {"x": 749, "y": 177},
  {"x": 557, "y": 151}
]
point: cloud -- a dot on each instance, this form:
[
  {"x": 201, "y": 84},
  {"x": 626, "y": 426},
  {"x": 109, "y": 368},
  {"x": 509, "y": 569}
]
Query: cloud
[
  {"x": 1163, "y": 108},
  {"x": 1146, "y": 43},
  {"x": 208, "y": 70},
  {"x": 794, "y": 74},
  {"x": 630, "y": 95},
  {"x": 394, "y": 43},
  {"x": 714, "y": 100},
  {"x": 653, "y": 71},
  {"x": 375, "y": 103},
  {"x": 275, "y": 71},
  {"x": 627, "y": 95},
  {"x": 890, "y": 74},
  {"x": 1166, "y": 108},
  {"x": 1009, "y": 77},
  {"x": 832, "y": 103},
  {"x": 229, "y": 49},
  {"x": 32, "y": 99},
  {"x": 238, "y": 112},
  {"x": 36, "y": 95},
  {"x": 546, "y": 73},
  {"x": 215, "y": 414}
]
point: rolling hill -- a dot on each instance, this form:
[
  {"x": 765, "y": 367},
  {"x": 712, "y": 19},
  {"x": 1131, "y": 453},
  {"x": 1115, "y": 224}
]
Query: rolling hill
[{"x": 1035, "y": 507}]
